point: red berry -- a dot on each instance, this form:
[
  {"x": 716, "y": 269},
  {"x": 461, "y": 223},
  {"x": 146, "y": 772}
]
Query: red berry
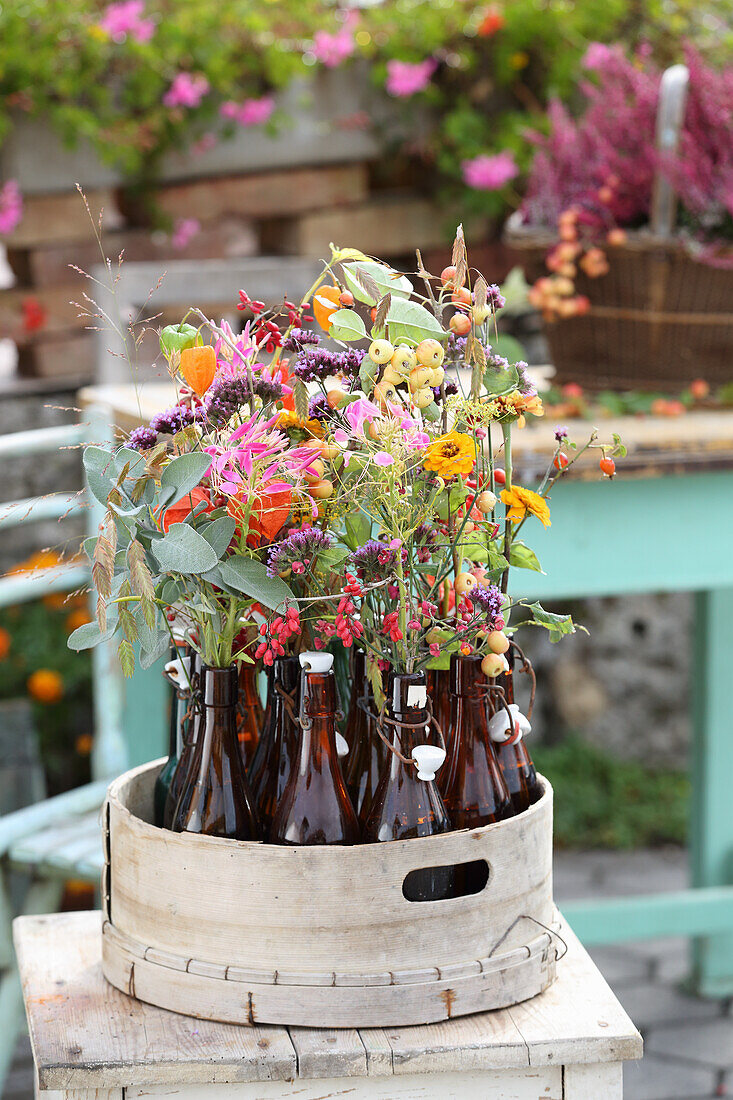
[
  {"x": 499, "y": 477},
  {"x": 447, "y": 275},
  {"x": 560, "y": 461},
  {"x": 608, "y": 466},
  {"x": 346, "y": 298}
]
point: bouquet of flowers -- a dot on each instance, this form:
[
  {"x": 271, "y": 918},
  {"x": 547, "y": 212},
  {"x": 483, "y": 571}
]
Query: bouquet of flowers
[{"x": 305, "y": 491}]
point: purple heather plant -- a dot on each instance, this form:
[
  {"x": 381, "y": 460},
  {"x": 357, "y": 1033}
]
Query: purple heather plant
[
  {"x": 226, "y": 396},
  {"x": 297, "y": 550},
  {"x": 300, "y": 338},
  {"x": 173, "y": 420},
  {"x": 374, "y": 561},
  {"x": 142, "y": 438},
  {"x": 488, "y": 597},
  {"x": 314, "y": 364}
]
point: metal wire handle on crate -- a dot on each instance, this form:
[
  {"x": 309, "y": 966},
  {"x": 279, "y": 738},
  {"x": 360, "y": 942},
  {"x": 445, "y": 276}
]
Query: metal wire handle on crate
[
  {"x": 550, "y": 932},
  {"x": 381, "y": 718}
]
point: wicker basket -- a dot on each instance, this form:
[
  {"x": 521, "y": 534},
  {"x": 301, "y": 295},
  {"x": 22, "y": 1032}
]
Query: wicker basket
[
  {"x": 658, "y": 319},
  {"x": 248, "y": 932}
]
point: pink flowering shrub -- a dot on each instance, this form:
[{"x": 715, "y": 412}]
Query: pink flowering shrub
[
  {"x": 602, "y": 165},
  {"x": 125, "y": 19},
  {"x": 485, "y": 173},
  {"x": 187, "y": 90},
  {"x": 11, "y": 207},
  {"x": 405, "y": 78}
]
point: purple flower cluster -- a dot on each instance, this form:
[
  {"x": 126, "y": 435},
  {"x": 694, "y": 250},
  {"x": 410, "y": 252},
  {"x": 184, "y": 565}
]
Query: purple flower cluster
[
  {"x": 173, "y": 420},
  {"x": 227, "y": 396},
  {"x": 374, "y": 560},
  {"x": 494, "y": 297},
  {"x": 319, "y": 408},
  {"x": 561, "y": 433},
  {"x": 488, "y": 598},
  {"x": 297, "y": 550},
  {"x": 449, "y": 387},
  {"x": 526, "y": 385},
  {"x": 142, "y": 439},
  {"x": 300, "y": 338},
  {"x": 313, "y": 364}
]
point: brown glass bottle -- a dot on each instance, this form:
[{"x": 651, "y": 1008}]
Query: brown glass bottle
[
  {"x": 439, "y": 694},
  {"x": 215, "y": 799},
  {"x": 180, "y": 695},
  {"x": 364, "y": 762},
  {"x": 250, "y": 714},
  {"x": 189, "y": 732},
  {"x": 514, "y": 760},
  {"x": 474, "y": 790},
  {"x": 315, "y": 807},
  {"x": 276, "y": 752},
  {"x": 405, "y": 806}
]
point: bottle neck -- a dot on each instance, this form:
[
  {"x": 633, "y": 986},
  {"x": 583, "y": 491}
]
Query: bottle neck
[
  {"x": 407, "y": 705},
  {"x": 317, "y": 745},
  {"x": 218, "y": 700},
  {"x": 469, "y": 688}
]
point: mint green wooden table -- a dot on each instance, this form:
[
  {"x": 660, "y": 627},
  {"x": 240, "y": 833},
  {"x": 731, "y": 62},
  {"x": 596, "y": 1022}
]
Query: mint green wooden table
[{"x": 665, "y": 524}]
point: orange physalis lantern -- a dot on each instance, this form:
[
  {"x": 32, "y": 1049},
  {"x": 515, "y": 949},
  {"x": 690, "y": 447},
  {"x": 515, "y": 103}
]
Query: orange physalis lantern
[
  {"x": 325, "y": 304},
  {"x": 198, "y": 367}
]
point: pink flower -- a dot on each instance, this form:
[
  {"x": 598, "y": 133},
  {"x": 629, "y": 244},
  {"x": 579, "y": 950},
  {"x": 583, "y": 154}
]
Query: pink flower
[
  {"x": 204, "y": 144},
  {"x": 187, "y": 90},
  {"x": 405, "y": 78},
  {"x": 333, "y": 49},
  {"x": 184, "y": 231},
  {"x": 596, "y": 56},
  {"x": 125, "y": 18},
  {"x": 253, "y": 112},
  {"x": 434, "y": 649},
  {"x": 383, "y": 458},
  {"x": 486, "y": 173},
  {"x": 11, "y": 206},
  {"x": 361, "y": 411}
]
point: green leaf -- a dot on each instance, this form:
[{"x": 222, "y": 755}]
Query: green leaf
[
  {"x": 184, "y": 473},
  {"x": 431, "y": 412},
  {"x": 89, "y": 635},
  {"x": 524, "y": 558},
  {"x": 250, "y": 576},
  {"x": 411, "y": 323},
  {"x": 219, "y": 534},
  {"x": 387, "y": 279},
  {"x": 346, "y": 325},
  {"x": 99, "y": 466},
  {"x": 302, "y": 398},
  {"x": 126, "y": 654},
  {"x": 332, "y": 558},
  {"x": 358, "y": 529},
  {"x": 368, "y": 374},
  {"x": 473, "y": 547},
  {"x": 183, "y": 550},
  {"x": 556, "y": 625}
]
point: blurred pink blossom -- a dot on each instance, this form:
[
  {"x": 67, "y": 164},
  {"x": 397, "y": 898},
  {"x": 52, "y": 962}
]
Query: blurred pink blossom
[
  {"x": 333, "y": 49},
  {"x": 187, "y": 90},
  {"x": 405, "y": 78},
  {"x": 383, "y": 458},
  {"x": 204, "y": 144},
  {"x": 253, "y": 112},
  {"x": 596, "y": 56},
  {"x": 184, "y": 231},
  {"x": 11, "y": 206},
  {"x": 125, "y": 18},
  {"x": 485, "y": 173}
]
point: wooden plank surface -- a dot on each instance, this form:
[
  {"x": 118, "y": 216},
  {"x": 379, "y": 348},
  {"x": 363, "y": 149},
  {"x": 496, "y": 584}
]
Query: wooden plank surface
[
  {"x": 87, "y": 1035},
  {"x": 656, "y": 444}
]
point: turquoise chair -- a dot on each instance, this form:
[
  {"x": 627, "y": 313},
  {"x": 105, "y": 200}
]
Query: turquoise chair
[{"x": 44, "y": 845}]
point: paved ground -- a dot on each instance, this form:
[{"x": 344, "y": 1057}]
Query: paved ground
[{"x": 688, "y": 1041}]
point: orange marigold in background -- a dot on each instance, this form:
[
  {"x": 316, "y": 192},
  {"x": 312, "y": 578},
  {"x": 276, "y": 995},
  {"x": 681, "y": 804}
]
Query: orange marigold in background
[
  {"x": 4, "y": 643},
  {"x": 84, "y": 744},
  {"x": 45, "y": 685},
  {"x": 77, "y": 618},
  {"x": 451, "y": 454},
  {"x": 519, "y": 501}
]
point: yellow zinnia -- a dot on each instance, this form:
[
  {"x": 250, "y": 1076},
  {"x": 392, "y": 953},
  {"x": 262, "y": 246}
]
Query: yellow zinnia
[
  {"x": 519, "y": 501},
  {"x": 451, "y": 454},
  {"x": 288, "y": 419}
]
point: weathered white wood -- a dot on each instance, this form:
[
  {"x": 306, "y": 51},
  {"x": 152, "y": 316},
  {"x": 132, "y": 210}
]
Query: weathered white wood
[
  {"x": 543, "y": 1084},
  {"x": 588, "y": 1026},
  {"x": 82, "y": 1094},
  {"x": 598, "y": 1082},
  {"x": 197, "y": 994},
  {"x": 323, "y": 933},
  {"x": 327, "y": 1052},
  {"x": 87, "y": 1035}
]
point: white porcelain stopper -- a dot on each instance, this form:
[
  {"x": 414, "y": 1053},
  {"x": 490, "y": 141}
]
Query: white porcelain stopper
[
  {"x": 179, "y": 670},
  {"x": 428, "y": 759},
  {"x": 500, "y": 729},
  {"x": 316, "y": 662},
  {"x": 342, "y": 745}
]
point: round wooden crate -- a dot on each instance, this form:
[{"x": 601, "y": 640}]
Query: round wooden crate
[{"x": 246, "y": 932}]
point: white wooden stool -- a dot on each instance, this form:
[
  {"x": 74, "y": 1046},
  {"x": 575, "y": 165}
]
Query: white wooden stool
[{"x": 91, "y": 1042}]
